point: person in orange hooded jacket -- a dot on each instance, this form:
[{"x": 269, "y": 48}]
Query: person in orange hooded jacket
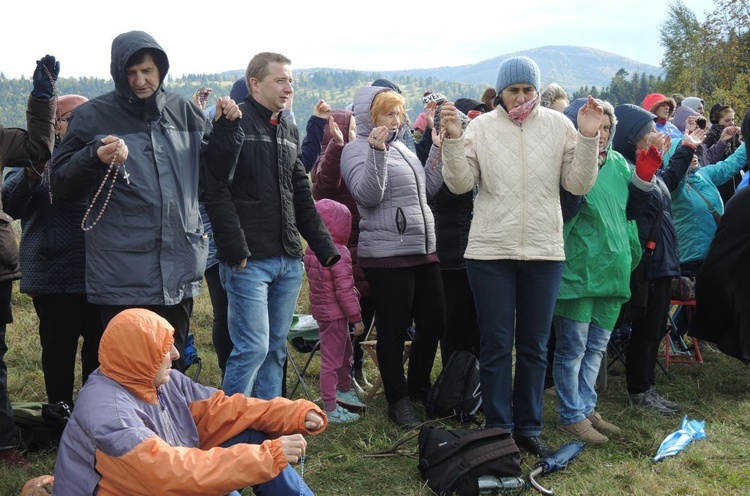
[{"x": 140, "y": 429}]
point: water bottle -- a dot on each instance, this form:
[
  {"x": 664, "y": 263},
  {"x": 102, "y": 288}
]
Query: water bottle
[{"x": 489, "y": 485}]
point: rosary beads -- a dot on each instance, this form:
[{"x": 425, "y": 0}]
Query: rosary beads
[{"x": 114, "y": 169}]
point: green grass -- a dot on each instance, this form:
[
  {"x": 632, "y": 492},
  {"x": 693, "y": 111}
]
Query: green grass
[{"x": 358, "y": 459}]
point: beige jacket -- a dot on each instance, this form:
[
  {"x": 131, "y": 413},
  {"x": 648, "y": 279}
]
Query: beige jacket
[{"x": 518, "y": 171}]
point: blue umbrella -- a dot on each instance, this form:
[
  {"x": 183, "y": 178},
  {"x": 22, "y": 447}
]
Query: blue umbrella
[{"x": 558, "y": 461}]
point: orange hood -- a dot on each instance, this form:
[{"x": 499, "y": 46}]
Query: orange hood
[{"x": 132, "y": 349}]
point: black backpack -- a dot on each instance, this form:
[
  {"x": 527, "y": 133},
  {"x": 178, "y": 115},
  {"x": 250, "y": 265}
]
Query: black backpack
[
  {"x": 453, "y": 461},
  {"x": 456, "y": 392},
  {"x": 39, "y": 424}
]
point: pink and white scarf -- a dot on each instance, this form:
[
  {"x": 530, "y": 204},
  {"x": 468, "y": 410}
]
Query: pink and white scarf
[{"x": 520, "y": 113}]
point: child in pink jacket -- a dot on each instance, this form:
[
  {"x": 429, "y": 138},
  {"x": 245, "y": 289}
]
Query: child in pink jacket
[{"x": 334, "y": 302}]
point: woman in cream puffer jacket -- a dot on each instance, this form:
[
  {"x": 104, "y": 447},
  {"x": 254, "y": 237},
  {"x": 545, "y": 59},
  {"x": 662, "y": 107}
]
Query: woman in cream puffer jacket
[{"x": 518, "y": 156}]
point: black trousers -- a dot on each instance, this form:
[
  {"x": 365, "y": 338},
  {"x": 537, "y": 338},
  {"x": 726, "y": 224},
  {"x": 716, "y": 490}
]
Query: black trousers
[
  {"x": 402, "y": 296},
  {"x": 178, "y": 315},
  {"x": 368, "y": 312},
  {"x": 647, "y": 332},
  {"x": 462, "y": 330},
  {"x": 8, "y": 430},
  {"x": 220, "y": 331},
  {"x": 63, "y": 319}
]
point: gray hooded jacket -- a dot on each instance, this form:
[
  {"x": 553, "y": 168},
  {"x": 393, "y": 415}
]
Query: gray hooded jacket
[
  {"x": 390, "y": 188},
  {"x": 148, "y": 248}
]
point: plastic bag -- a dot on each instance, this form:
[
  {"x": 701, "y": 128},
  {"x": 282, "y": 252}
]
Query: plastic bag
[{"x": 38, "y": 486}]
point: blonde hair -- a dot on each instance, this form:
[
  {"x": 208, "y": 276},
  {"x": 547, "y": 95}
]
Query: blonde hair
[
  {"x": 258, "y": 66},
  {"x": 384, "y": 102}
]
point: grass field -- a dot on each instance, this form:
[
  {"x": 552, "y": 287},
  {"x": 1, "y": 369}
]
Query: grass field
[{"x": 358, "y": 459}]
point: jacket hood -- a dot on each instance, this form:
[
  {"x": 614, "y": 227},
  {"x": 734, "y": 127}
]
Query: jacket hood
[
  {"x": 652, "y": 100},
  {"x": 630, "y": 121},
  {"x": 362, "y": 103},
  {"x": 384, "y": 83},
  {"x": 692, "y": 102},
  {"x": 132, "y": 349},
  {"x": 337, "y": 218},
  {"x": 571, "y": 112},
  {"x": 681, "y": 115},
  {"x": 124, "y": 46}
]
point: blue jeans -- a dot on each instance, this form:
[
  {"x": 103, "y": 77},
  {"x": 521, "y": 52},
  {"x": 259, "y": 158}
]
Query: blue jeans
[
  {"x": 578, "y": 356},
  {"x": 287, "y": 483},
  {"x": 262, "y": 298},
  {"x": 514, "y": 301}
]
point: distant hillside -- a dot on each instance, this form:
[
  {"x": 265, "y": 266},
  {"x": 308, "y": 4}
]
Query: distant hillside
[{"x": 570, "y": 66}]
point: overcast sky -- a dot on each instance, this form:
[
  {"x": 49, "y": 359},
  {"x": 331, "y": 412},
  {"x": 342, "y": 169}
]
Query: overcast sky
[{"x": 372, "y": 36}]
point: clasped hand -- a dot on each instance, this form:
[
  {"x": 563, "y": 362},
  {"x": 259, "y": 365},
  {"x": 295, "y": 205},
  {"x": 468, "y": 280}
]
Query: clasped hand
[
  {"x": 109, "y": 152},
  {"x": 377, "y": 137},
  {"x": 293, "y": 446},
  {"x": 228, "y": 108}
]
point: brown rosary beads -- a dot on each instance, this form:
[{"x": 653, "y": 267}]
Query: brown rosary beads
[{"x": 114, "y": 169}]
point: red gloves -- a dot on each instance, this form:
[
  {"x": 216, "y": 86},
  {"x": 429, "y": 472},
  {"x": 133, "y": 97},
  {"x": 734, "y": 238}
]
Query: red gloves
[{"x": 647, "y": 163}]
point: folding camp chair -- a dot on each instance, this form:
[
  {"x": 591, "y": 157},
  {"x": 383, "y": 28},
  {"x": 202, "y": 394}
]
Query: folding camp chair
[
  {"x": 617, "y": 352},
  {"x": 676, "y": 350},
  {"x": 303, "y": 337}
]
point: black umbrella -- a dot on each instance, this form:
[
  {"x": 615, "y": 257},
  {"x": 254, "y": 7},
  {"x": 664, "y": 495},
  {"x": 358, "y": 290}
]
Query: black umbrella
[{"x": 558, "y": 461}]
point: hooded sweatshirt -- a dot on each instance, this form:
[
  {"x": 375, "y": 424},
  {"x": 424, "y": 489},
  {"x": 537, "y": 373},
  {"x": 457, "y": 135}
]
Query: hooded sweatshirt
[{"x": 128, "y": 437}]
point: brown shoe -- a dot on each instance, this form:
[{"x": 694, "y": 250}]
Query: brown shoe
[
  {"x": 584, "y": 431},
  {"x": 602, "y": 425},
  {"x": 14, "y": 457}
]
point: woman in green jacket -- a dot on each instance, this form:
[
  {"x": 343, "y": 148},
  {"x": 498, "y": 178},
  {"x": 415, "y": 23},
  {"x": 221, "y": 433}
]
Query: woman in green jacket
[{"x": 601, "y": 249}]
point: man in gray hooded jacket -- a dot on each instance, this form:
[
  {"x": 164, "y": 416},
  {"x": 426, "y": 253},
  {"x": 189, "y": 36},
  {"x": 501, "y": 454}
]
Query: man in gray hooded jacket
[{"x": 135, "y": 154}]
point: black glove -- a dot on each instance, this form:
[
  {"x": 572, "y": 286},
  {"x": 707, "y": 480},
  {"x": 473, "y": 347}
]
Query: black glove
[{"x": 43, "y": 85}]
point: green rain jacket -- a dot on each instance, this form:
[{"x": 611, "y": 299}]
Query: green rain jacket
[{"x": 602, "y": 247}]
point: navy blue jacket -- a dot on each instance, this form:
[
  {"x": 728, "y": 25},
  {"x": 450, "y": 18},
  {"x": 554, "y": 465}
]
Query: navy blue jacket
[{"x": 53, "y": 248}]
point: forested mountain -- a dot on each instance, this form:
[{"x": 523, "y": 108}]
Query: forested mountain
[
  {"x": 569, "y": 66},
  {"x": 575, "y": 68},
  {"x": 336, "y": 87}
]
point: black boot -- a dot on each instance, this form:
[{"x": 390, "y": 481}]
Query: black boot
[
  {"x": 402, "y": 412},
  {"x": 534, "y": 444}
]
